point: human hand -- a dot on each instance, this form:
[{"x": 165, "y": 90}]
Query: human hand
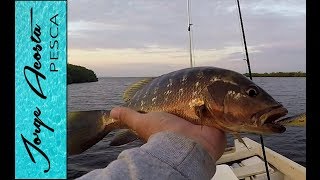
[{"x": 213, "y": 140}]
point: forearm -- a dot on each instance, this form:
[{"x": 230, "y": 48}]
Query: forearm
[{"x": 165, "y": 156}]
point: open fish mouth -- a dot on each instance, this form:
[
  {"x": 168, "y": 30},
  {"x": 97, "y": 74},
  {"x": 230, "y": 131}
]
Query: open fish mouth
[{"x": 268, "y": 118}]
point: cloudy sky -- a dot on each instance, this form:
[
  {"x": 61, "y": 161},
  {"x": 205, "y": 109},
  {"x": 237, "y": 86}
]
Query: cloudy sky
[{"x": 150, "y": 37}]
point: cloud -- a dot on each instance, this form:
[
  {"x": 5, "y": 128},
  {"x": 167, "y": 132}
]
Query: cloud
[
  {"x": 270, "y": 26},
  {"x": 150, "y": 61}
]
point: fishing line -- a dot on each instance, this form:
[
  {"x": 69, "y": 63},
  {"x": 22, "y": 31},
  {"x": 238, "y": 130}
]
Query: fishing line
[
  {"x": 241, "y": 40},
  {"x": 250, "y": 75}
]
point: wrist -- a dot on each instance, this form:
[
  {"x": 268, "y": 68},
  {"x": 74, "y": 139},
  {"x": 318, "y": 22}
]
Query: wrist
[
  {"x": 182, "y": 153},
  {"x": 212, "y": 140}
]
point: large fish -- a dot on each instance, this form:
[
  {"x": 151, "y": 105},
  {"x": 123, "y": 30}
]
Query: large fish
[{"x": 207, "y": 96}]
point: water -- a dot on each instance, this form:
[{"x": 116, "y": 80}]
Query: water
[{"x": 107, "y": 93}]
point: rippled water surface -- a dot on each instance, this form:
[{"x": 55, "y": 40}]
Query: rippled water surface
[{"x": 107, "y": 92}]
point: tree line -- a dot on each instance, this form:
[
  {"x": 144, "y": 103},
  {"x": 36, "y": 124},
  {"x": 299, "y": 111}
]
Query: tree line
[
  {"x": 79, "y": 74},
  {"x": 278, "y": 74}
]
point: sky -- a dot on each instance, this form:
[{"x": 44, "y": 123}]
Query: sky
[{"x": 137, "y": 38}]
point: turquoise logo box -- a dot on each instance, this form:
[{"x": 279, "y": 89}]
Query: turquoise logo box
[{"x": 40, "y": 89}]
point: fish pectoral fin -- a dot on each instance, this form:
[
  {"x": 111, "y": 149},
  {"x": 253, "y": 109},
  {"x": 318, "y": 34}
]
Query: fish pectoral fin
[
  {"x": 123, "y": 136},
  {"x": 199, "y": 110},
  {"x": 237, "y": 136}
]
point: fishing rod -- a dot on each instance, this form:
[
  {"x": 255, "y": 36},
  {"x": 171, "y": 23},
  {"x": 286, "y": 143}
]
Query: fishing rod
[
  {"x": 250, "y": 75},
  {"x": 189, "y": 30}
]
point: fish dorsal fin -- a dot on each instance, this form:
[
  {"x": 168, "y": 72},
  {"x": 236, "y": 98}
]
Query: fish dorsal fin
[
  {"x": 133, "y": 88},
  {"x": 236, "y": 135}
]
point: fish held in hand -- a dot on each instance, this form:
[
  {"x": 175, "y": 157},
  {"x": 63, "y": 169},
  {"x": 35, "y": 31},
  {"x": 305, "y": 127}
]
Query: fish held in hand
[{"x": 207, "y": 96}]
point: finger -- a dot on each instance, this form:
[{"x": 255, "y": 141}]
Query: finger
[{"x": 131, "y": 118}]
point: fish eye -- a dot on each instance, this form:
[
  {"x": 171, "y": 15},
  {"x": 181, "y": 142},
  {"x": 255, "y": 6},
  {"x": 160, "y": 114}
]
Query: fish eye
[{"x": 252, "y": 91}]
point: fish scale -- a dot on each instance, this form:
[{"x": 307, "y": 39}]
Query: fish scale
[
  {"x": 169, "y": 86},
  {"x": 208, "y": 96}
]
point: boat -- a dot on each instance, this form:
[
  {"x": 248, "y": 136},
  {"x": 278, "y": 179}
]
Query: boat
[{"x": 240, "y": 162}]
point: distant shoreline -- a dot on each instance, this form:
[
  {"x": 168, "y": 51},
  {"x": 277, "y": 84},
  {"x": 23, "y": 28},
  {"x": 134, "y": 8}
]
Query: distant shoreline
[
  {"x": 272, "y": 74},
  {"x": 278, "y": 74}
]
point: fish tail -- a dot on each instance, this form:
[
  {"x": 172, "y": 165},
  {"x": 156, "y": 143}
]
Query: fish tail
[{"x": 86, "y": 128}]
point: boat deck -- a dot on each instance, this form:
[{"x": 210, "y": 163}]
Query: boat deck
[{"x": 239, "y": 162}]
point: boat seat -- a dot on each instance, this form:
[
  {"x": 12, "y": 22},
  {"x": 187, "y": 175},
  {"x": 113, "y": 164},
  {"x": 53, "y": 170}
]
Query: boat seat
[
  {"x": 224, "y": 171},
  {"x": 251, "y": 166},
  {"x": 246, "y": 171}
]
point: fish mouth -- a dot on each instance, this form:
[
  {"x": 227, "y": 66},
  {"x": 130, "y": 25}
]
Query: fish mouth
[{"x": 268, "y": 118}]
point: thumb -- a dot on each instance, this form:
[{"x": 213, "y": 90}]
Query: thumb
[{"x": 127, "y": 116}]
